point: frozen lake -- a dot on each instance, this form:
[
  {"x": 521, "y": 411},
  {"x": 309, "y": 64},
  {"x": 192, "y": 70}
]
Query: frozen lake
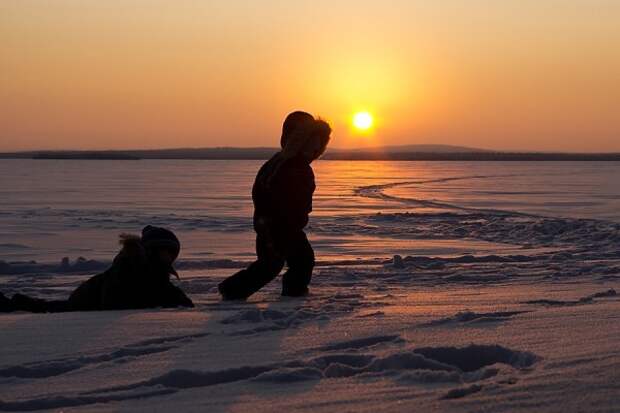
[{"x": 55, "y": 208}]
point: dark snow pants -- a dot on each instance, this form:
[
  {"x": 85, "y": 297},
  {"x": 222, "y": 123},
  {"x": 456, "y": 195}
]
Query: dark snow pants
[
  {"x": 273, "y": 251},
  {"x": 21, "y": 302}
]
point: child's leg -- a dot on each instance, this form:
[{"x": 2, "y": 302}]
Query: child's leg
[
  {"x": 300, "y": 260},
  {"x": 246, "y": 282},
  {"x": 23, "y": 302}
]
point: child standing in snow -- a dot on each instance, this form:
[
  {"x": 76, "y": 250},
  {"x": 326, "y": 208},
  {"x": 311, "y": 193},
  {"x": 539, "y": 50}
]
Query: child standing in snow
[{"x": 282, "y": 196}]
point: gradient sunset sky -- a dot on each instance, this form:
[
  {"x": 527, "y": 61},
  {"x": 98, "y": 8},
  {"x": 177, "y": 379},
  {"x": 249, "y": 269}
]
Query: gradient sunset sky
[{"x": 512, "y": 75}]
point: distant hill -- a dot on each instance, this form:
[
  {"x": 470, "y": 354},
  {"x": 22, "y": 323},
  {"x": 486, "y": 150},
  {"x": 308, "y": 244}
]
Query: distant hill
[
  {"x": 90, "y": 155},
  {"x": 403, "y": 152},
  {"x": 416, "y": 148}
]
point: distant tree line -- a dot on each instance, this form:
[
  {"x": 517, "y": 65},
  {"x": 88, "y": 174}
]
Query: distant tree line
[{"x": 265, "y": 153}]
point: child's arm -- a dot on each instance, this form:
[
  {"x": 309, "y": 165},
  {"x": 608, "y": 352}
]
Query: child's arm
[
  {"x": 173, "y": 296},
  {"x": 295, "y": 192}
]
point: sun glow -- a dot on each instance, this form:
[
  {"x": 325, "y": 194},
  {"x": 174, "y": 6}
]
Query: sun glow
[{"x": 362, "y": 121}]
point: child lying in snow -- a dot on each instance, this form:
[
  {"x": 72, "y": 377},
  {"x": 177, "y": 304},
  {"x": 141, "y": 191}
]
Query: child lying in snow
[{"x": 138, "y": 278}]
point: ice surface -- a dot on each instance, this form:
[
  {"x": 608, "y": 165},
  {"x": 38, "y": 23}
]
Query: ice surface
[{"x": 459, "y": 287}]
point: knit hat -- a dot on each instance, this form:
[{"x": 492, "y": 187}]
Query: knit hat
[{"x": 157, "y": 237}]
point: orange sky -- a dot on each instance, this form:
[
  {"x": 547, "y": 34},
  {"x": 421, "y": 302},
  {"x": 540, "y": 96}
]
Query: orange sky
[{"x": 525, "y": 75}]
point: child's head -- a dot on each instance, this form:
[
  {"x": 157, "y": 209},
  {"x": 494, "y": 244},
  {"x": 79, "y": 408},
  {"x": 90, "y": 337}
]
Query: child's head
[
  {"x": 165, "y": 255},
  {"x": 161, "y": 244},
  {"x": 293, "y": 122},
  {"x": 308, "y": 141}
]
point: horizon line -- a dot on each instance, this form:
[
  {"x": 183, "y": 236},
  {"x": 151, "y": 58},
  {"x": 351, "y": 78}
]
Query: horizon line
[{"x": 407, "y": 149}]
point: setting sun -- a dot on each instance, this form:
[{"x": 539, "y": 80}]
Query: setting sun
[{"x": 362, "y": 120}]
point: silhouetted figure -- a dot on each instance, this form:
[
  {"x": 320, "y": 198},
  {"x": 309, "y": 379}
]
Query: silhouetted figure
[
  {"x": 282, "y": 195},
  {"x": 138, "y": 278}
]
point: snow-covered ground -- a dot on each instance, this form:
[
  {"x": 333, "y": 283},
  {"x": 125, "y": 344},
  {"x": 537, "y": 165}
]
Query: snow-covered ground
[{"x": 502, "y": 297}]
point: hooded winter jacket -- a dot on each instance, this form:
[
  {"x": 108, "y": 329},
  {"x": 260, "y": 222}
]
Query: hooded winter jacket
[
  {"x": 282, "y": 194},
  {"x": 283, "y": 188},
  {"x": 133, "y": 281}
]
